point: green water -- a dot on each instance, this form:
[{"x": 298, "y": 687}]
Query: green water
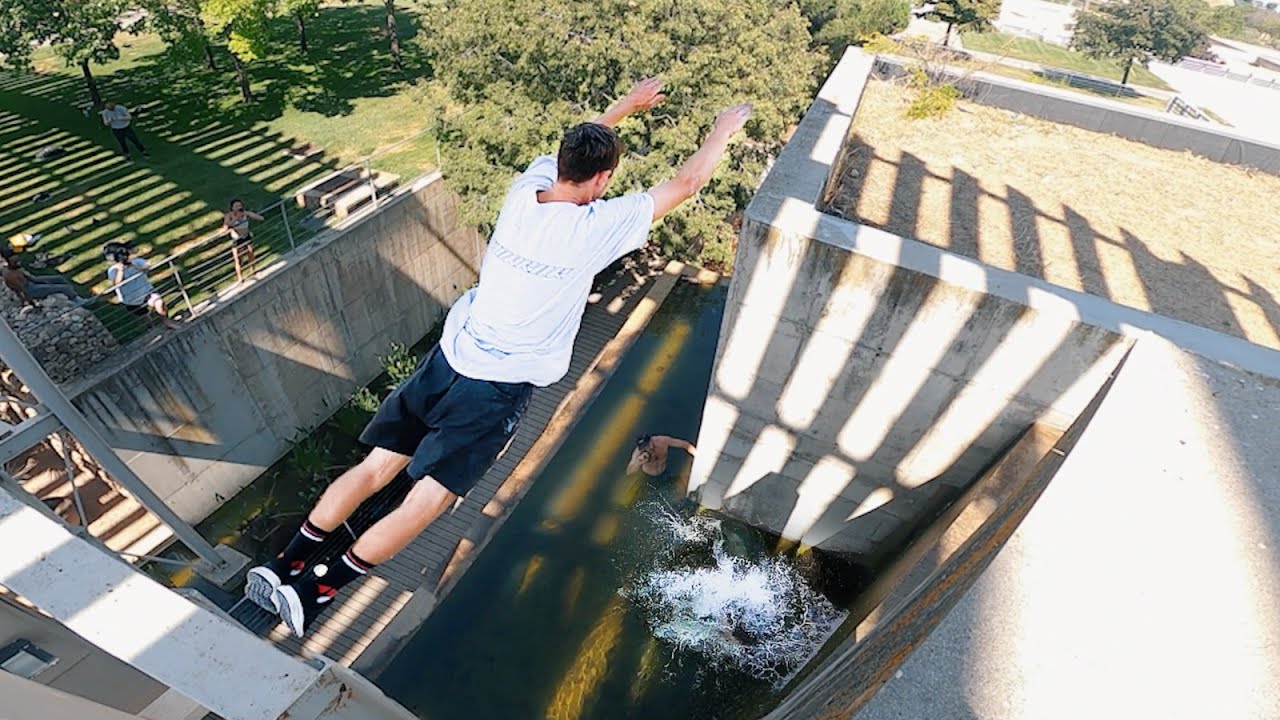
[{"x": 538, "y": 627}]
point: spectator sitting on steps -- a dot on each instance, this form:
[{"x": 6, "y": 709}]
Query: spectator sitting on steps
[{"x": 30, "y": 287}]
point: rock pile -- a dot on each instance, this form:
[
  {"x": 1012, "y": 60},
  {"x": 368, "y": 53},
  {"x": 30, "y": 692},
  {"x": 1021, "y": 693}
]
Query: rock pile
[{"x": 67, "y": 340}]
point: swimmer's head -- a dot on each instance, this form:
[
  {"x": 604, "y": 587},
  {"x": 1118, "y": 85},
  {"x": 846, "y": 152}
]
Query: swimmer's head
[{"x": 642, "y": 454}]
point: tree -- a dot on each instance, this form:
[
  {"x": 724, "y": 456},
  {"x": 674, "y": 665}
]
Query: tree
[
  {"x": 80, "y": 31},
  {"x": 393, "y": 34},
  {"x": 299, "y": 10},
  {"x": 245, "y": 25},
  {"x": 178, "y": 23},
  {"x": 837, "y": 24},
  {"x": 519, "y": 73},
  {"x": 964, "y": 14},
  {"x": 1138, "y": 30}
]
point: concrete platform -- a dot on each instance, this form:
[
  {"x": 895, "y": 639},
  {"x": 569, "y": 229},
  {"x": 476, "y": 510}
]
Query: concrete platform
[{"x": 1145, "y": 583}]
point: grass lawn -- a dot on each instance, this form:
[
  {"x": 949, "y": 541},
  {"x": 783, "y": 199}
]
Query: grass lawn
[
  {"x": 207, "y": 146},
  {"x": 1059, "y": 57}
]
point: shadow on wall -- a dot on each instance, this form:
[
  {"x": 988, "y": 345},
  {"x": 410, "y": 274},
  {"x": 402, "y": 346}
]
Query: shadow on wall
[
  {"x": 200, "y": 413},
  {"x": 1183, "y": 288},
  {"x": 852, "y": 398}
]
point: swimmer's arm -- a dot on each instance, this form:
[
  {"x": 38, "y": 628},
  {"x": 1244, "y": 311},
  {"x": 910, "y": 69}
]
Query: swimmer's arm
[{"x": 676, "y": 442}]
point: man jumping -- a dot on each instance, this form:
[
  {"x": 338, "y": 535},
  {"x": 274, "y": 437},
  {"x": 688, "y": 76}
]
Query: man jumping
[{"x": 453, "y": 417}]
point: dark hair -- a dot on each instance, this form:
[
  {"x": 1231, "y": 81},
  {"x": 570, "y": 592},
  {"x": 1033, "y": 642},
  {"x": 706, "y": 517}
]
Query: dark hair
[
  {"x": 585, "y": 150},
  {"x": 233, "y": 202},
  {"x": 643, "y": 441}
]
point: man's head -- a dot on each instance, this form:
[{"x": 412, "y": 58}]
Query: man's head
[
  {"x": 108, "y": 105},
  {"x": 12, "y": 262},
  {"x": 588, "y": 156}
]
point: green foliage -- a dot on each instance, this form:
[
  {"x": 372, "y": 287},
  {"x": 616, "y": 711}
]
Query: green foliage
[
  {"x": 78, "y": 30},
  {"x": 837, "y": 24},
  {"x": 1137, "y": 30},
  {"x": 310, "y": 460},
  {"x": 178, "y": 23},
  {"x": 1226, "y": 20},
  {"x": 399, "y": 362},
  {"x": 965, "y": 14},
  {"x": 244, "y": 24},
  {"x": 355, "y": 414},
  {"x": 932, "y": 101},
  {"x": 523, "y": 72}
]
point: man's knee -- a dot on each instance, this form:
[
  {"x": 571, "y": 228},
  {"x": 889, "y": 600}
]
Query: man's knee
[{"x": 428, "y": 497}]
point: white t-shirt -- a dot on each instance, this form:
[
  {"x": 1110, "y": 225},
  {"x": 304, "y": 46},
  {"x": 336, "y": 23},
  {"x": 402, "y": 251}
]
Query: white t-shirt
[{"x": 519, "y": 323}]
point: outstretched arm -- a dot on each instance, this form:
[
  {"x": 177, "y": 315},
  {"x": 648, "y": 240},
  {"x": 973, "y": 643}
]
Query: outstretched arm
[
  {"x": 697, "y": 170},
  {"x": 676, "y": 442},
  {"x": 644, "y": 95}
]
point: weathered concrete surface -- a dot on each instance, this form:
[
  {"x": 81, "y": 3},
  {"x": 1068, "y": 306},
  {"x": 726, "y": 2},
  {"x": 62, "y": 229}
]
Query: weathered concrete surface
[
  {"x": 203, "y": 411},
  {"x": 1145, "y": 583},
  {"x": 850, "y": 393}
]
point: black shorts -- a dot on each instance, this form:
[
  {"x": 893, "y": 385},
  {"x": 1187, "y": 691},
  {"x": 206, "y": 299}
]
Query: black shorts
[{"x": 451, "y": 426}]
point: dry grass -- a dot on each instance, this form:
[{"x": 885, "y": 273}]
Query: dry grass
[{"x": 1153, "y": 229}]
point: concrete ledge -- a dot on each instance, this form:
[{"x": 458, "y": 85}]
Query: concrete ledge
[{"x": 788, "y": 201}]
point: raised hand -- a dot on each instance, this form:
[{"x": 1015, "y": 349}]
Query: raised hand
[
  {"x": 730, "y": 120},
  {"x": 646, "y": 94}
]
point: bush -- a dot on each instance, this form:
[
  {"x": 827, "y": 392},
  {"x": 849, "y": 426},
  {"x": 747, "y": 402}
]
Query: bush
[
  {"x": 351, "y": 418},
  {"x": 399, "y": 362},
  {"x": 933, "y": 101},
  {"x": 311, "y": 459}
]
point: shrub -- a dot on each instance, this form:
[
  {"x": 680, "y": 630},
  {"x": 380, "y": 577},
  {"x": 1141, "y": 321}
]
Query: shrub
[{"x": 933, "y": 101}]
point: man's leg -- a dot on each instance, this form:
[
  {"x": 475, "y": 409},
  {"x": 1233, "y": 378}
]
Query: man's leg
[
  {"x": 337, "y": 503},
  {"x": 133, "y": 137},
  {"x": 300, "y": 602},
  {"x": 124, "y": 148}
]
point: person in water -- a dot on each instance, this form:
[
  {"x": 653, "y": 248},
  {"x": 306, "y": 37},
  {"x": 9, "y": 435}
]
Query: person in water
[{"x": 650, "y": 454}]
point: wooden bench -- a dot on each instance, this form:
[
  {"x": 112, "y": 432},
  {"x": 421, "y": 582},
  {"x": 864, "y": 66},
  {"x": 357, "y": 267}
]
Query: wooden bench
[
  {"x": 358, "y": 196},
  {"x": 324, "y": 192}
]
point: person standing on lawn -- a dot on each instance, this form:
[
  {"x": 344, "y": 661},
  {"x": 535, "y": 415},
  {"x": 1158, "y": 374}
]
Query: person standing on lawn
[
  {"x": 454, "y": 416},
  {"x": 120, "y": 120}
]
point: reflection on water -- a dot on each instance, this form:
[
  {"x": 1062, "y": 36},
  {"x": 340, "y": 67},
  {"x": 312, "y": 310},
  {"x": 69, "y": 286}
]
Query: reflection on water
[{"x": 609, "y": 596}]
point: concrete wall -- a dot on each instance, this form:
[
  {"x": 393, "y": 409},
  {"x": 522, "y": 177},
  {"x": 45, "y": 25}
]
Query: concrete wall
[
  {"x": 1151, "y": 127},
  {"x": 81, "y": 669},
  {"x": 861, "y": 376},
  {"x": 204, "y": 410}
]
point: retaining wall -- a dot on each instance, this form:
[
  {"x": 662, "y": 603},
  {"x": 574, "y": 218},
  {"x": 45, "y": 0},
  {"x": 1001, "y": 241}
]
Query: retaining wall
[
  {"x": 203, "y": 411},
  {"x": 863, "y": 377},
  {"x": 1151, "y": 127}
]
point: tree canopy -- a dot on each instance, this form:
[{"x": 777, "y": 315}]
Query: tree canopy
[
  {"x": 80, "y": 31},
  {"x": 1138, "y": 30},
  {"x": 964, "y": 14},
  {"x": 519, "y": 74},
  {"x": 840, "y": 23}
]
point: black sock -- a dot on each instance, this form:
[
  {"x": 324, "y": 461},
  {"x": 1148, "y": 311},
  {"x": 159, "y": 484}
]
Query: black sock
[
  {"x": 342, "y": 572},
  {"x": 293, "y": 560}
]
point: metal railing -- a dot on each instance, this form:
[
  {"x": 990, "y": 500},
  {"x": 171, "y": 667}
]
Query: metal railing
[
  {"x": 212, "y": 265},
  {"x": 1178, "y": 106},
  {"x": 1216, "y": 70}
]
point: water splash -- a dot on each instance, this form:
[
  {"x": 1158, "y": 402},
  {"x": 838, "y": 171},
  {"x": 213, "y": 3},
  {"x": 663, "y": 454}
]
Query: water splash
[{"x": 755, "y": 614}]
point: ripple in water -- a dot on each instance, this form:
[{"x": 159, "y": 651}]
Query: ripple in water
[{"x": 755, "y": 614}]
